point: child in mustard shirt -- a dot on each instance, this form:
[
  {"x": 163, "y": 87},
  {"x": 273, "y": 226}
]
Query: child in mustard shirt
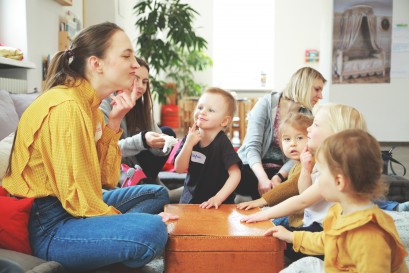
[{"x": 358, "y": 236}]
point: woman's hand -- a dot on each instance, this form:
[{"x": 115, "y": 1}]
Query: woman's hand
[
  {"x": 121, "y": 104},
  {"x": 154, "y": 140},
  {"x": 264, "y": 186},
  {"x": 281, "y": 233},
  {"x": 259, "y": 203},
  {"x": 275, "y": 181}
]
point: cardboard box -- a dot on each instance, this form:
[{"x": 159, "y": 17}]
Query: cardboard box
[{"x": 210, "y": 240}]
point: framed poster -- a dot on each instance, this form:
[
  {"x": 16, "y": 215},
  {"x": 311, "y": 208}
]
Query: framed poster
[{"x": 362, "y": 38}]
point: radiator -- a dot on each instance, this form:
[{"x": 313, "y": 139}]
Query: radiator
[{"x": 16, "y": 86}]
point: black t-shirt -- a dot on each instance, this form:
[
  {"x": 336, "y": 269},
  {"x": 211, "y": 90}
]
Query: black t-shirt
[{"x": 208, "y": 170}]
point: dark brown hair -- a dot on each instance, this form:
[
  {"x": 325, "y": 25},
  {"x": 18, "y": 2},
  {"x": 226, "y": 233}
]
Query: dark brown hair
[
  {"x": 139, "y": 118},
  {"x": 91, "y": 41},
  {"x": 355, "y": 154}
]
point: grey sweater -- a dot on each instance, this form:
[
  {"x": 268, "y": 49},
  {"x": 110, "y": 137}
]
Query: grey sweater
[
  {"x": 131, "y": 145},
  {"x": 260, "y": 131}
]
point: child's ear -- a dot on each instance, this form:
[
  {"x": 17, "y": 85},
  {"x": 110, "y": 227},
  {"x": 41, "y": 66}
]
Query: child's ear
[
  {"x": 341, "y": 182},
  {"x": 226, "y": 121}
]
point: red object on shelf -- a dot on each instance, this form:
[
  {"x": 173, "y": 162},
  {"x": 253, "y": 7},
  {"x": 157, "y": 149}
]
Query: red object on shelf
[{"x": 170, "y": 116}]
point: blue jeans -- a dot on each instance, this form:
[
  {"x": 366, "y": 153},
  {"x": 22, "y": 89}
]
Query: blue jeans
[
  {"x": 282, "y": 221},
  {"x": 133, "y": 238},
  {"x": 386, "y": 204}
]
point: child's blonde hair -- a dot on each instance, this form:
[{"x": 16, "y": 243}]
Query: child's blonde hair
[
  {"x": 230, "y": 100},
  {"x": 298, "y": 121},
  {"x": 342, "y": 117},
  {"x": 355, "y": 154}
]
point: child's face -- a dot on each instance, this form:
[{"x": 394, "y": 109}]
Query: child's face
[
  {"x": 293, "y": 142},
  {"x": 326, "y": 180},
  {"x": 319, "y": 130},
  {"x": 210, "y": 112}
]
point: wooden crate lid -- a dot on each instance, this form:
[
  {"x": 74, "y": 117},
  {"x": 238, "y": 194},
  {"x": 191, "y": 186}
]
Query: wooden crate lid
[
  {"x": 224, "y": 221},
  {"x": 200, "y": 229}
]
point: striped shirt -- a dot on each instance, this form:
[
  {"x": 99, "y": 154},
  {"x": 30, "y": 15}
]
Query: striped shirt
[{"x": 64, "y": 149}]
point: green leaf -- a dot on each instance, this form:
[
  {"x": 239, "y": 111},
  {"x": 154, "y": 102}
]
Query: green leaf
[{"x": 179, "y": 54}]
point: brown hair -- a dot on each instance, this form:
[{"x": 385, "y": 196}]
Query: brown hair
[
  {"x": 91, "y": 41},
  {"x": 297, "y": 120},
  {"x": 230, "y": 100},
  {"x": 299, "y": 87},
  {"x": 355, "y": 154},
  {"x": 139, "y": 118}
]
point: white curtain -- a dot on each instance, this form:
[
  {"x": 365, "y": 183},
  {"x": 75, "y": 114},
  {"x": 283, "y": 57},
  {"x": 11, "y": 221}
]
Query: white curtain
[{"x": 351, "y": 24}]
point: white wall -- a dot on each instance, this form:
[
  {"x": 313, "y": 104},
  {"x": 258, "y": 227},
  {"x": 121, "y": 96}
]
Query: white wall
[
  {"x": 385, "y": 106},
  {"x": 32, "y": 26},
  {"x": 297, "y": 28},
  {"x": 300, "y": 25}
]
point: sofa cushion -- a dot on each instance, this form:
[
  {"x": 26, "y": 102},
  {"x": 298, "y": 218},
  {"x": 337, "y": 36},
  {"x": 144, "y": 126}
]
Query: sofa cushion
[
  {"x": 14, "y": 215},
  {"x": 22, "y": 101},
  {"x": 5, "y": 150},
  {"x": 31, "y": 264},
  {"x": 8, "y": 115}
]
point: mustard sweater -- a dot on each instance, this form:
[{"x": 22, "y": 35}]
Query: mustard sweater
[
  {"x": 286, "y": 190},
  {"x": 64, "y": 149},
  {"x": 363, "y": 241}
]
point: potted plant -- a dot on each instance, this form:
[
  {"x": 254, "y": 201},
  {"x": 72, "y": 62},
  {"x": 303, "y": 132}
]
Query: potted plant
[{"x": 168, "y": 42}]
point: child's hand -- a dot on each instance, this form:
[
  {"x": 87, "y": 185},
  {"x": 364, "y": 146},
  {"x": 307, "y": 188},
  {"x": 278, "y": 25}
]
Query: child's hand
[
  {"x": 253, "y": 218},
  {"x": 212, "y": 202},
  {"x": 261, "y": 202},
  {"x": 168, "y": 216},
  {"x": 306, "y": 158},
  {"x": 281, "y": 233},
  {"x": 193, "y": 137}
]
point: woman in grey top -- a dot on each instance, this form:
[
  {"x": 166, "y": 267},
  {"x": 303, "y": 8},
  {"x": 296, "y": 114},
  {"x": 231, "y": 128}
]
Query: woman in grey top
[
  {"x": 263, "y": 161},
  {"x": 142, "y": 140}
]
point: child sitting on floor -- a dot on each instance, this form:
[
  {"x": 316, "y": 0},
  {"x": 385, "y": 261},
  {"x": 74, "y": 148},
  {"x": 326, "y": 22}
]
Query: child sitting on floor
[
  {"x": 358, "y": 236},
  {"x": 213, "y": 164},
  {"x": 293, "y": 135}
]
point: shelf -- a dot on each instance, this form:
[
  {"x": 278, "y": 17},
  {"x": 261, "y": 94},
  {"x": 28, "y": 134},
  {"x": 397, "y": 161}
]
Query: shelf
[
  {"x": 10, "y": 63},
  {"x": 64, "y": 2}
]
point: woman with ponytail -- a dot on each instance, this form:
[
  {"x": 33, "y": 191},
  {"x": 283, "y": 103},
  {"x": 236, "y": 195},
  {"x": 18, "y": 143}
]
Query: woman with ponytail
[{"x": 65, "y": 154}]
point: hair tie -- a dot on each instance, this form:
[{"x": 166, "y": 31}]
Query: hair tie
[{"x": 69, "y": 53}]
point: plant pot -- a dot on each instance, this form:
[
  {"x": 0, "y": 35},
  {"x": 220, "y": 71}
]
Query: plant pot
[{"x": 170, "y": 116}]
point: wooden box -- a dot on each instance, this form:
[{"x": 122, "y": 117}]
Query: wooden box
[{"x": 210, "y": 240}]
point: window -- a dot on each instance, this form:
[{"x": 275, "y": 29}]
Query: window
[{"x": 243, "y": 43}]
